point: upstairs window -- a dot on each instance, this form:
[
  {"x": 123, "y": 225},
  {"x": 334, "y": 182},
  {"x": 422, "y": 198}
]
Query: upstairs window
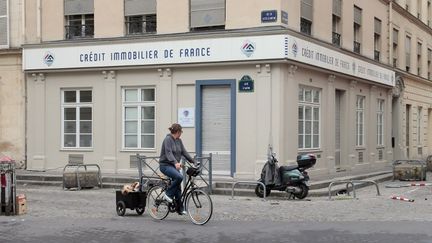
[
  {"x": 4, "y": 24},
  {"x": 357, "y": 29},
  {"x": 306, "y": 16},
  {"x": 336, "y": 22},
  {"x": 419, "y": 58},
  {"x": 429, "y": 62},
  {"x": 140, "y": 16},
  {"x": 79, "y": 15},
  {"x": 377, "y": 40},
  {"x": 395, "y": 47},
  {"x": 207, "y": 14},
  {"x": 407, "y": 53}
]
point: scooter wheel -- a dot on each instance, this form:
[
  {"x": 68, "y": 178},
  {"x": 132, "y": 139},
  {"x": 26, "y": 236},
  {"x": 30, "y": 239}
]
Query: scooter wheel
[
  {"x": 304, "y": 191},
  {"x": 259, "y": 191}
]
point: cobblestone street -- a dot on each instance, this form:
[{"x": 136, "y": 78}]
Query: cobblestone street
[{"x": 90, "y": 214}]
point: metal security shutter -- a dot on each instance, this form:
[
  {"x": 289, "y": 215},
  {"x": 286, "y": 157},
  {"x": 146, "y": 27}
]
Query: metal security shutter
[
  {"x": 357, "y": 15},
  {"x": 216, "y": 129},
  {"x": 76, "y": 7},
  {"x": 307, "y": 9},
  {"x": 140, "y": 7},
  {"x": 337, "y": 8},
  {"x": 206, "y": 13},
  {"x": 4, "y": 29}
]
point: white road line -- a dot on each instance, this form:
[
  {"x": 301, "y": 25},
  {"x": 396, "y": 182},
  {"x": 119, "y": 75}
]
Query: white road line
[{"x": 413, "y": 190}]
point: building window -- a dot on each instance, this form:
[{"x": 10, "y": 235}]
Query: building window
[
  {"x": 207, "y": 14},
  {"x": 79, "y": 26},
  {"x": 336, "y": 22},
  {"x": 306, "y": 16},
  {"x": 419, "y": 58},
  {"x": 407, "y": 53},
  {"x": 419, "y": 124},
  {"x": 380, "y": 123},
  {"x": 77, "y": 118},
  {"x": 429, "y": 13},
  {"x": 377, "y": 40},
  {"x": 419, "y": 8},
  {"x": 395, "y": 47},
  {"x": 360, "y": 109},
  {"x": 357, "y": 29},
  {"x": 4, "y": 23},
  {"x": 139, "y": 118},
  {"x": 140, "y": 16},
  {"x": 141, "y": 24},
  {"x": 309, "y": 118},
  {"x": 429, "y": 58}
]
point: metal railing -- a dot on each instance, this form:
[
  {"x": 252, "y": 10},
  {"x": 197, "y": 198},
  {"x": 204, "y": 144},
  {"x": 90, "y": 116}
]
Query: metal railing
[
  {"x": 352, "y": 183},
  {"x": 140, "y": 27},
  {"x": 79, "y": 31},
  {"x": 149, "y": 171},
  {"x": 357, "y": 47},
  {"x": 336, "y": 38},
  {"x": 376, "y": 55}
]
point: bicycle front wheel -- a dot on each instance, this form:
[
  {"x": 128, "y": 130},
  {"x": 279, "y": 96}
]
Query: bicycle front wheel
[
  {"x": 158, "y": 208},
  {"x": 199, "y": 206}
]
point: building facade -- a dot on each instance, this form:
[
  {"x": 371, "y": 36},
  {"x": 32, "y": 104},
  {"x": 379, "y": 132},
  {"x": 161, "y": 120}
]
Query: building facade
[
  {"x": 12, "y": 83},
  {"x": 106, "y": 81}
]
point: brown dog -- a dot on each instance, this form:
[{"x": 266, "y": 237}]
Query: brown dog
[{"x": 130, "y": 188}]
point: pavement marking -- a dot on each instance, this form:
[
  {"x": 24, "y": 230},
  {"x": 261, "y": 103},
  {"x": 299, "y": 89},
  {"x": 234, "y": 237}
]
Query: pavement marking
[{"x": 413, "y": 190}]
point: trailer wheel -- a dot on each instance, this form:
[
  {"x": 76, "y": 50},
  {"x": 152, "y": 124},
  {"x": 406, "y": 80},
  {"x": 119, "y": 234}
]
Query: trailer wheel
[
  {"x": 121, "y": 208},
  {"x": 140, "y": 211}
]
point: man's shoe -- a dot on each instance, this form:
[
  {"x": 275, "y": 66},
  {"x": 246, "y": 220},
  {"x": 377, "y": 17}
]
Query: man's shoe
[
  {"x": 183, "y": 212},
  {"x": 168, "y": 199}
]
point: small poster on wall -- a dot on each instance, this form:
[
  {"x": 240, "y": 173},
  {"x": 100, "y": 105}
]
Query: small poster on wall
[{"x": 186, "y": 117}]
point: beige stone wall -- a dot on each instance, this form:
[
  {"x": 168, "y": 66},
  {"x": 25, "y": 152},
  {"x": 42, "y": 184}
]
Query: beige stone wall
[
  {"x": 12, "y": 108},
  {"x": 172, "y": 16},
  {"x": 109, "y": 18},
  {"x": 240, "y": 16},
  {"x": 52, "y": 20}
]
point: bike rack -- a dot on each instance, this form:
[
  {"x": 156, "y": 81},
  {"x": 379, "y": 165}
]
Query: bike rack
[
  {"x": 352, "y": 183},
  {"x": 249, "y": 183},
  {"x": 77, "y": 173}
]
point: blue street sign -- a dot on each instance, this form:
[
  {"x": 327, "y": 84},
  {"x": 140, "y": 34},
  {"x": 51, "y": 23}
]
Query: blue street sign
[
  {"x": 268, "y": 16},
  {"x": 246, "y": 84}
]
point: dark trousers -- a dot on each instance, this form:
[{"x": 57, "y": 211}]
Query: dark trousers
[{"x": 174, "y": 190}]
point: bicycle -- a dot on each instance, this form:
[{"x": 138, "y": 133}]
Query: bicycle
[{"x": 195, "y": 200}]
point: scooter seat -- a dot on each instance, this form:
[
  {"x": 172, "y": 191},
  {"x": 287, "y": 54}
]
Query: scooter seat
[{"x": 288, "y": 168}]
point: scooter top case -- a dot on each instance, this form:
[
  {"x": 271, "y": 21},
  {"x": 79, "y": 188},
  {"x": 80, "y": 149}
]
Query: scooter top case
[{"x": 306, "y": 161}]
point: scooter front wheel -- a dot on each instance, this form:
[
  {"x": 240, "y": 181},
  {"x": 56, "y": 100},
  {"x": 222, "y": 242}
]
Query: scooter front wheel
[
  {"x": 304, "y": 191},
  {"x": 259, "y": 191}
]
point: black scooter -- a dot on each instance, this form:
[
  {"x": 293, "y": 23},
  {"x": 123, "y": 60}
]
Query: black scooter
[{"x": 294, "y": 178}]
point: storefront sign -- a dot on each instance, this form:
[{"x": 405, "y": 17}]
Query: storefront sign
[
  {"x": 268, "y": 16},
  {"x": 284, "y": 17},
  {"x": 246, "y": 84},
  {"x": 186, "y": 117},
  {"x": 247, "y": 48}
]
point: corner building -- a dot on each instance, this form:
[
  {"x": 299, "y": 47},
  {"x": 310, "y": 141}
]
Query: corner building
[{"x": 106, "y": 81}]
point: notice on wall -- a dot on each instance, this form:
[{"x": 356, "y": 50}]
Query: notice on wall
[{"x": 186, "y": 117}]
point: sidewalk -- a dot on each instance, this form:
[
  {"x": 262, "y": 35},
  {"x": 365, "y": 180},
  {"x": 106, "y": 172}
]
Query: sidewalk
[{"x": 221, "y": 185}]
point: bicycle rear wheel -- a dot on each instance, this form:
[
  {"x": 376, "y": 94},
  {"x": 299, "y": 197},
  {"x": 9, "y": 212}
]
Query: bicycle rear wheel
[
  {"x": 199, "y": 206},
  {"x": 158, "y": 208}
]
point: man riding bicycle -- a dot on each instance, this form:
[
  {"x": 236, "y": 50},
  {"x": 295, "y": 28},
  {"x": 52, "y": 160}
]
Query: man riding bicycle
[{"x": 171, "y": 152}]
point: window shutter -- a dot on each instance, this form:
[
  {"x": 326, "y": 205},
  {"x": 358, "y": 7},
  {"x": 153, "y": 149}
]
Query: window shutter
[
  {"x": 377, "y": 26},
  {"x": 205, "y": 13},
  {"x": 337, "y": 8},
  {"x": 76, "y": 7},
  {"x": 4, "y": 23},
  {"x": 395, "y": 36},
  {"x": 357, "y": 15},
  {"x": 140, "y": 7},
  {"x": 306, "y": 9}
]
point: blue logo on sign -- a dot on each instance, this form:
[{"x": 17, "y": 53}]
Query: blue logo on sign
[
  {"x": 294, "y": 49},
  {"x": 248, "y": 48},
  {"x": 48, "y": 58}
]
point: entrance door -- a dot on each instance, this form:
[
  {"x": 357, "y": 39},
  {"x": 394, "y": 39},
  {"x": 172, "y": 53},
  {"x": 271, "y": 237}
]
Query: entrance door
[{"x": 216, "y": 126}]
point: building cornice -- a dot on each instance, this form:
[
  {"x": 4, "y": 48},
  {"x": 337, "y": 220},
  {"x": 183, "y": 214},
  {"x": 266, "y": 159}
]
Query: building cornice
[
  {"x": 402, "y": 11},
  {"x": 11, "y": 51}
]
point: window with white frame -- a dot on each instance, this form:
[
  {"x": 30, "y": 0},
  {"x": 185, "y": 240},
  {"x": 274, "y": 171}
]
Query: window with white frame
[
  {"x": 360, "y": 111},
  {"x": 380, "y": 122},
  {"x": 419, "y": 120},
  {"x": 309, "y": 118},
  {"x": 77, "y": 118},
  {"x": 138, "y": 118}
]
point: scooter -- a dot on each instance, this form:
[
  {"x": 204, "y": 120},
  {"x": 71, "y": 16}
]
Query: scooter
[{"x": 294, "y": 179}]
